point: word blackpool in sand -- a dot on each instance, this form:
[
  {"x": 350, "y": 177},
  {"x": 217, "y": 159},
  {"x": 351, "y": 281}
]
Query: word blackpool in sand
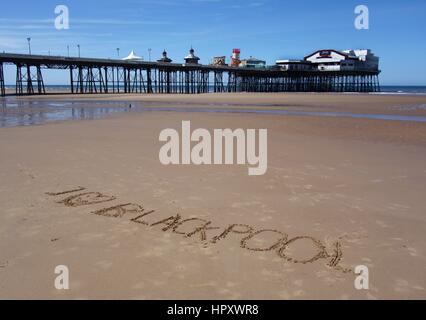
[
  {"x": 201, "y": 228},
  {"x": 201, "y": 153}
]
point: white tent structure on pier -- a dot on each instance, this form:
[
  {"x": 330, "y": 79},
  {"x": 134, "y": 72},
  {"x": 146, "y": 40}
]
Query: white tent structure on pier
[{"x": 133, "y": 57}]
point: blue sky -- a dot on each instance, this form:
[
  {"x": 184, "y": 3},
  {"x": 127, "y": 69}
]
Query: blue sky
[{"x": 267, "y": 29}]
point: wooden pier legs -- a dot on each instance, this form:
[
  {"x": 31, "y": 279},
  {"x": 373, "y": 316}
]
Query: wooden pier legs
[{"x": 2, "y": 86}]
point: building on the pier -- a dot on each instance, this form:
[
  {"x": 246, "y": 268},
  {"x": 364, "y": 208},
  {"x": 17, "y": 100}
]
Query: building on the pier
[
  {"x": 235, "y": 58},
  {"x": 133, "y": 57},
  {"x": 294, "y": 65},
  {"x": 364, "y": 59},
  {"x": 164, "y": 58},
  {"x": 347, "y": 60},
  {"x": 253, "y": 63},
  {"x": 191, "y": 58},
  {"x": 219, "y": 61}
]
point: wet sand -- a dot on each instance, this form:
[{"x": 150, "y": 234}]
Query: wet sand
[
  {"x": 402, "y": 104},
  {"x": 341, "y": 192}
]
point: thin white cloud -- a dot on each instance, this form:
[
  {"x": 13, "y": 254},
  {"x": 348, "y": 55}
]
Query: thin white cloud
[
  {"x": 43, "y": 23},
  {"x": 118, "y": 22}
]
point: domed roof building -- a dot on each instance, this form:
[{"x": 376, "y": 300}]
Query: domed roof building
[
  {"x": 191, "y": 58},
  {"x": 165, "y": 58}
]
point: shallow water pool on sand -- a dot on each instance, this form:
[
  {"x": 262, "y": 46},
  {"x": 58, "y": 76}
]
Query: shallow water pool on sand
[
  {"x": 297, "y": 113},
  {"x": 27, "y": 113}
]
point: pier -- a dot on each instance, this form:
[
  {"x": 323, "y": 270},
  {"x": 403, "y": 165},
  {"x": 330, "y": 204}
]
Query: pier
[{"x": 102, "y": 76}]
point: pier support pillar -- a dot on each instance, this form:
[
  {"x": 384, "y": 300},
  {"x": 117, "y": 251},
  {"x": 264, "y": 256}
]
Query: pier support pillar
[
  {"x": 168, "y": 82},
  {"x": 80, "y": 79},
  {"x": 377, "y": 89},
  {"x": 149, "y": 81},
  {"x": 40, "y": 82},
  {"x": 71, "y": 79},
  {"x": 2, "y": 86},
  {"x": 105, "y": 78},
  {"x": 232, "y": 82},
  {"x": 25, "y": 78}
]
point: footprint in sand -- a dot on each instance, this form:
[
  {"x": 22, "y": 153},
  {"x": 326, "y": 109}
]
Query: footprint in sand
[
  {"x": 411, "y": 251},
  {"x": 403, "y": 286}
]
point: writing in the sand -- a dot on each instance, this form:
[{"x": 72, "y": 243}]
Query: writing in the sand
[{"x": 208, "y": 233}]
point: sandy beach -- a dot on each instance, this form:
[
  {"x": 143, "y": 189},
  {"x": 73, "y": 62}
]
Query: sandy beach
[{"x": 339, "y": 192}]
